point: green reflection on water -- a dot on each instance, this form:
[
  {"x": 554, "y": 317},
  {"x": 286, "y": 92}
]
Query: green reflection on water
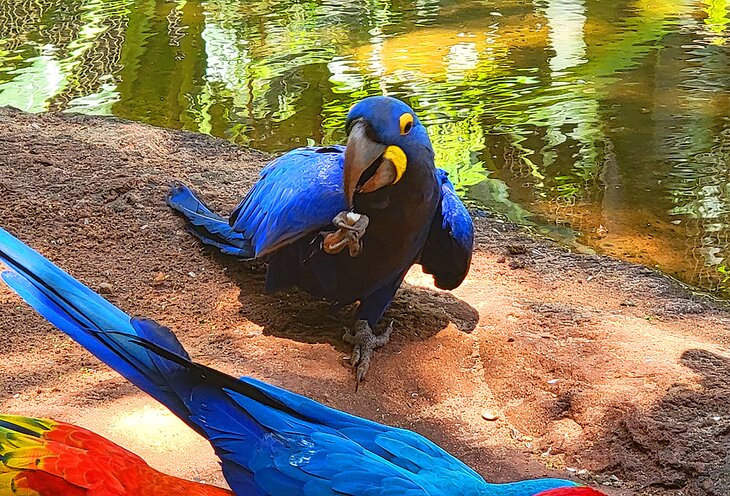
[{"x": 610, "y": 118}]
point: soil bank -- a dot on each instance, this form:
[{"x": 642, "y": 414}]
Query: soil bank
[{"x": 597, "y": 369}]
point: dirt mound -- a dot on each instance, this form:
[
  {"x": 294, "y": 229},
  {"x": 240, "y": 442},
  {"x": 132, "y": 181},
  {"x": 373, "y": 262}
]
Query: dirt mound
[{"x": 594, "y": 368}]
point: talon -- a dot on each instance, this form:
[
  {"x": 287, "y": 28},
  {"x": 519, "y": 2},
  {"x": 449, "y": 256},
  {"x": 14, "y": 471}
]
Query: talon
[
  {"x": 335, "y": 243},
  {"x": 354, "y": 248},
  {"x": 384, "y": 336},
  {"x": 356, "y": 357},
  {"x": 342, "y": 222},
  {"x": 351, "y": 221},
  {"x": 362, "y": 369},
  {"x": 364, "y": 343},
  {"x": 348, "y": 337}
]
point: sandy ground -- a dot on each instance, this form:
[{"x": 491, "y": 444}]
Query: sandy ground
[{"x": 597, "y": 369}]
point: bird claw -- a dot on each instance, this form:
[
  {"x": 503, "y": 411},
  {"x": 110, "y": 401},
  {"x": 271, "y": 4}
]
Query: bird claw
[
  {"x": 351, "y": 228},
  {"x": 364, "y": 342}
]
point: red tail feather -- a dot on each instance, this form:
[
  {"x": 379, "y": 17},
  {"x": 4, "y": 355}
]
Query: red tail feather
[{"x": 48, "y": 458}]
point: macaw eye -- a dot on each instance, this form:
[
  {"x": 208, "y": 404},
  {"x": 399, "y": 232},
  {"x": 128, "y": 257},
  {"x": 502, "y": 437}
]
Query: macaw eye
[{"x": 406, "y": 123}]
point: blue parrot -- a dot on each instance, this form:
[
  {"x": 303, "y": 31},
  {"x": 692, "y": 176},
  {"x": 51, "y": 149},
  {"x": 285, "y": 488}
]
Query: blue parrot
[
  {"x": 271, "y": 442},
  {"x": 381, "y": 197}
]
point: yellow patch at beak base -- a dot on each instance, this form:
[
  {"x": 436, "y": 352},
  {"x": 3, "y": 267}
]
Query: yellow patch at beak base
[{"x": 399, "y": 160}]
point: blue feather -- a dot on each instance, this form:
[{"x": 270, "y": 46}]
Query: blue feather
[
  {"x": 271, "y": 442},
  {"x": 298, "y": 193},
  {"x": 209, "y": 227},
  {"x": 448, "y": 250},
  {"x": 77, "y": 310}
]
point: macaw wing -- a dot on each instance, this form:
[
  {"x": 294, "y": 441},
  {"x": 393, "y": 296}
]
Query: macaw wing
[
  {"x": 448, "y": 249},
  {"x": 328, "y": 451},
  {"x": 312, "y": 460},
  {"x": 272, "y": 441},
  {"x": 268, "y": 448},
  {"x": 297, "y": 193}
]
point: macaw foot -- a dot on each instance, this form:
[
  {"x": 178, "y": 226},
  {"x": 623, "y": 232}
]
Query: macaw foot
[
  {"x": 364, "y": 342},
  {"x": 351, "y": 227}
]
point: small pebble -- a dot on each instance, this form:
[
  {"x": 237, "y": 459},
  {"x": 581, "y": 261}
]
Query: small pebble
[
  {"x": 489, "y": 415},
  {"x": 105, "y": 288},
  {"x": 517, "y": 249}
]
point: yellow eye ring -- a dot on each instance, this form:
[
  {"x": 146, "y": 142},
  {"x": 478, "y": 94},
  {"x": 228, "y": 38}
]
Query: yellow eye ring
[{"x": 406, "y": 123}]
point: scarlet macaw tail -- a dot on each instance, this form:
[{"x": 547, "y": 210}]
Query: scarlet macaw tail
[
  {"x": 28, "y": 462},
  {"x": 41, "y": 457}
]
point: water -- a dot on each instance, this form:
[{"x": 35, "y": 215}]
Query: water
[{"x": 606, "y": 123}]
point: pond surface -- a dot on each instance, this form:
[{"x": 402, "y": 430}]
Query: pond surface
[{"x": 603, "y": 122}]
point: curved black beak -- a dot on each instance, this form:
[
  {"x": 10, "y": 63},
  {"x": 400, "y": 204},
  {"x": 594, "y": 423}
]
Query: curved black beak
[{"x": 360, "y": 155}]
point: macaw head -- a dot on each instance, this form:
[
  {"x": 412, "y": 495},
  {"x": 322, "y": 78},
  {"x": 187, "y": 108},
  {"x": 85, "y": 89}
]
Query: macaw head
[{"x": 385, "y": 138}]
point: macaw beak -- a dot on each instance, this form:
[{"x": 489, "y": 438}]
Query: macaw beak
[{"x": 367, "y": 165}]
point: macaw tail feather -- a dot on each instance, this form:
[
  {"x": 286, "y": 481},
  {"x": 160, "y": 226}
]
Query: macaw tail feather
[
  {"x": 42, "y": 457},
  {"x": 23, "y": 456},
  {"x": 209, "y": 227},
  {"x": 88, "y": 319},
  {"x": 144, "y": 352}
]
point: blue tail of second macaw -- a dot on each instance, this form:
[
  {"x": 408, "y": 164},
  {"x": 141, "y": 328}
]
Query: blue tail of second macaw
[
  {"x": 92, "y": 321},
  {"x": 209, "y": 227},
  {"x": 255, "y": 428},
  {"x": 142, "y": 351}
]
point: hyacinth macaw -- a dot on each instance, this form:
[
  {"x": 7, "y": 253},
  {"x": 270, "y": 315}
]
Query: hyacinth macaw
[
  {"x": 271, "y": 442},
  {"x": 381, "y": 197},
  {"x": 41, "y": 457}
]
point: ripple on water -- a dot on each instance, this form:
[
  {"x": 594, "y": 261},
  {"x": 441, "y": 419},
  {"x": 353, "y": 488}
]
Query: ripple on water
[{"x": 608, "y": 118}]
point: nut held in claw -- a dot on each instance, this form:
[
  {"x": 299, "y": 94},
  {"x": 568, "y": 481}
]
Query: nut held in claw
[
  {"x": 352, "y": 218},
  {"x": 351, "y": 228}
]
